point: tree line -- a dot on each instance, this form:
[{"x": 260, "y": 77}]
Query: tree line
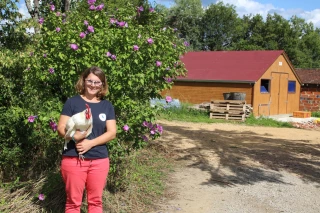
[{"x": 217, "y": 27}]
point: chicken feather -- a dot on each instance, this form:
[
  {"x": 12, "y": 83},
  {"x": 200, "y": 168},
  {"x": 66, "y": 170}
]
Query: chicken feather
[{"x": 81, "y": 121}]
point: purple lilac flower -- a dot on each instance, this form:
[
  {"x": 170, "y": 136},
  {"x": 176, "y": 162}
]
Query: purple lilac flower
[
  {"x": 51, "y": 70},
  {"x": 63, "y": 14},
  {"x": 174, "y": 45},
  {"x": 58, "y": 14},
  {"x": 31, "y": 118},
  {"x": 122, "y": 24},
  {"x": 150, "y": 40},
  {"x": 63, "y": 21},
  {"x": 158, "y": 63},
  {"x": 52, "y": 7},
  {"x": 112, "y": 21},
  {"x": 113, "y": 57},
  {"x": 152, "y": 132},
  {"x": 45, "y": 55},
  {"x": 100, "y": 7},
  {"x": 41, "y": 20},
  {"x": 145, "y": 123},
  {"x": 159, "y": 128},
  {"x": 168, "y": 79},
  {"x": 58, "y": 29},
  {"x": 126, "y": 128},
  {"x": 86, "y": 22},
  {"x": 168, "y": 99},
  {"x": 186, "y": 44},
  {"x": 90, "y": 29},
  {"x": 92, "y": 7},
  {"x": 151, "y": 10},
  {"x": 82, "y": 35},
  {"x": 31, "y": 53},
  {"x": 53, "y": 125},
  {"x": 135, "y": 47},
  {"x": 41, "y": 196},
  {"x": 175, "y": 29},
  {"x": 108, "y": 54},
  {"x": 140, "y": 9},
  {"x": 91, "y": 2},
  {"x": 145, "y": 138},
  {"x": 74, "y": 46}
]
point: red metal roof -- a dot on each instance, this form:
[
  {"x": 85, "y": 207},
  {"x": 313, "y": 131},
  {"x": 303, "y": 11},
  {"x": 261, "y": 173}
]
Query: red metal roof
[
  {"x": 228, "y": 66},
  {"x": 309, "y": 76}
]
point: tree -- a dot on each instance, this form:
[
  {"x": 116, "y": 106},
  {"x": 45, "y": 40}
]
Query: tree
[
  {"x": 219, "y": 25},
  {"x": 186, "y": 16},
  {"x": 10, "y": 18},
  {"x": 250, "y": 35}
]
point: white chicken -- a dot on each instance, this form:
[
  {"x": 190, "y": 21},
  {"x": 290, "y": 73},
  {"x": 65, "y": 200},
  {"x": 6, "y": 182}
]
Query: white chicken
[{"x": 81, "y": 121}]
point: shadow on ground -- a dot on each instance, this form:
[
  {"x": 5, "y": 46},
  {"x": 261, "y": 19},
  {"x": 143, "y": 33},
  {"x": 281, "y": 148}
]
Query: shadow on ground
[{"x": 234, "y": 149}]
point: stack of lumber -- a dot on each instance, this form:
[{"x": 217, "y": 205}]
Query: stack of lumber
[{"x": 230, "y": 109}]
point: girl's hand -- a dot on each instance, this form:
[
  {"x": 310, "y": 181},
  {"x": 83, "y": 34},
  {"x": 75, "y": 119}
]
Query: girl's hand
[
  {"x": 78, "y": 135},
  {"x": 83, "y": 146}
]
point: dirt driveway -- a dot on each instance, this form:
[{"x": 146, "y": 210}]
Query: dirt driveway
[{"x": 236, "y": 168}]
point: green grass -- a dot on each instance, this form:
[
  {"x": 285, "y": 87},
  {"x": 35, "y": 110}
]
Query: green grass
[
  {"x": 188, "y": 114},
  {"x": 315, "y": 114},
  {"x": 263, "y": 121}
]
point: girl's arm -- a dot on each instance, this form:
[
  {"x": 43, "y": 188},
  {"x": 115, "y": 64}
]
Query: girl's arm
[
  {"x": 86, "y": 145},
  {"x": 78, "y": 135}
]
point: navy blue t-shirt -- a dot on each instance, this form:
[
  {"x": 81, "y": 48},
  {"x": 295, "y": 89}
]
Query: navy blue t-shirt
[{"x": 101, "y": 112}]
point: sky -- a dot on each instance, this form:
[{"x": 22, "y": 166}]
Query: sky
[{"x": 309, "y": 10}]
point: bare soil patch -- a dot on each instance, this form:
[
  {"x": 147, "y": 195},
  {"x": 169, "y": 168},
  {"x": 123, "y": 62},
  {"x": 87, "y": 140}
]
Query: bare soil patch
[{"x": 237, "y": 168}]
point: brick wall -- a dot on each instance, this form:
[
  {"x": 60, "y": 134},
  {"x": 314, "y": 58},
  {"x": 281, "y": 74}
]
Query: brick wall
[{"x": 310, "y": 99}]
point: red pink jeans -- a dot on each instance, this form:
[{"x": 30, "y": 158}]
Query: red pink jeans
[{"x": 79, "y": 174}]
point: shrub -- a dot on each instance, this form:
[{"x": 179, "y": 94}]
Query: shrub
[{"x": 138, "y": 54}]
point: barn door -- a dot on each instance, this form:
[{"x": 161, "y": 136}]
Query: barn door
[
  {"x": 283, "y": 93},
  {"x": 279, "y": 93}
]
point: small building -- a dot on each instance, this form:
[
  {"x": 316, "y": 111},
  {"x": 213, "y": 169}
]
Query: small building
[
  {"x": 310, "y": 89},
  {"x": 267, "y": 78}
]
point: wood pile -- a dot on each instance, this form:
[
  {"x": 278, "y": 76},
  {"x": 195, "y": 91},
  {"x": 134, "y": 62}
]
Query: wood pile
[{"x": 230, "y": 109}]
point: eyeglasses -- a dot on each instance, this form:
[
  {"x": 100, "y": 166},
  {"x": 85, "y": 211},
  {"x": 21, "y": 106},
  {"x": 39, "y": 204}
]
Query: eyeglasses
[{"x": 94, "y": 83}]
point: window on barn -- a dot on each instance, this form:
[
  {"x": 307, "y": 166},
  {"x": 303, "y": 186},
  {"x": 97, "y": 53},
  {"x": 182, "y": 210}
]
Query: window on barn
[
  {"x": 265, "y": 86},
  {"x": 292, "y": 86}
]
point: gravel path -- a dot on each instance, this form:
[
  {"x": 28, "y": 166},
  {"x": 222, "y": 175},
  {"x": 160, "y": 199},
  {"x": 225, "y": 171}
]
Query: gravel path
[{"x": 241, "y": 169}]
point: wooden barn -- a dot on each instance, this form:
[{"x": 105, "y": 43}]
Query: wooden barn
[
  {"x": 310, "y": 89},
  {"x": 267, "y": 78}
]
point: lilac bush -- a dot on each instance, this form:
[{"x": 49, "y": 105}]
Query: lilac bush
[{"x": 129, "y": 44}]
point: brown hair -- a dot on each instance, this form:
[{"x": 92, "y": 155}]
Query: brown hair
[{"x": 98, "y": 72}]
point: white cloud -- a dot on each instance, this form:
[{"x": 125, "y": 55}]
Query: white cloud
[
  {"x": 24, "y": 11},
  {"x": 246, "y": 7},
  {"x": 312, "y": 16}
]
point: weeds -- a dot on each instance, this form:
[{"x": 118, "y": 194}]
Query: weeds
[{"x": 144, "y": 174}]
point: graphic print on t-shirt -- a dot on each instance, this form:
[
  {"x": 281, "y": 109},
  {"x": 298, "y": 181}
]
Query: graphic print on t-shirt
[{"x": 103, "y": 117}]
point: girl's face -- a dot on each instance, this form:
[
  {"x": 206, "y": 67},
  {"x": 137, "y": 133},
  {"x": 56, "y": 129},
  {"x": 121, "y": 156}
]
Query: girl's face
[{"x": 92, "y": 85}]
